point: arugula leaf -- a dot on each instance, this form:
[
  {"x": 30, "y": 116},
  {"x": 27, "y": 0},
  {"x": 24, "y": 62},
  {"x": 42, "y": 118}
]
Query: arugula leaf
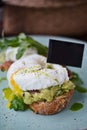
[
  {"x": 40, "y": 48},
  {"x": 20, "y": 52},
  {"x": 81, "y": 89},
  {"x": 76, "y": 79},
  {"x": 17, "y": 104},
  {"x": 14, "y": 42},
  {"x": 78, "y": 82},
  {"x": 27, "y": 42},
  {"x": 3, "y": 45}
]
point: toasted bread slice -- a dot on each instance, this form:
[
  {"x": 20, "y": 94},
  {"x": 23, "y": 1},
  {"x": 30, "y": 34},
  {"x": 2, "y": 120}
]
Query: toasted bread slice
[{"x": 55, "y": 106}]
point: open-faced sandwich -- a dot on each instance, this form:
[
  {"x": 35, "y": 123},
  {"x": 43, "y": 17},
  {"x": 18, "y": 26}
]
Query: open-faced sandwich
[
  {"x": 33, "y": 83},
  {"x": 44, "y": 88}
]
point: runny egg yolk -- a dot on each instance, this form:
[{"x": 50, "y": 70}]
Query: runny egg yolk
[{"x": 16, "y": 87}]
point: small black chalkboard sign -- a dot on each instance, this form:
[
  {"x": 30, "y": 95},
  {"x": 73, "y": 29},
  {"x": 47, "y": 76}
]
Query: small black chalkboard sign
[{"x": 65, "y": 53}]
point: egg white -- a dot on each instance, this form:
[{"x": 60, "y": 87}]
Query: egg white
[{"x": 31, "y": 73}]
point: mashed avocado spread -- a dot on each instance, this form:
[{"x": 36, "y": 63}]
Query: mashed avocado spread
[
  {"x": 17, "y": 102},
  {"x": 47, "y": 94}
]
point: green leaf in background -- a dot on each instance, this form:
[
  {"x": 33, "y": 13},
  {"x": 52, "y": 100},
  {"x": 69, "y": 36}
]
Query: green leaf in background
[
  {"x": 42, "y": 50},
  {"x": 20, "y": 52},
  {"x": 3, "y": 45},
  {"x": 7, "y": 42},
  {"x": 12, "y": 42},
  {"x": 23, "y": 42}
]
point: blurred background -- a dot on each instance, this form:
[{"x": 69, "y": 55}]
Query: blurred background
[{"x": 44, "y": 17}]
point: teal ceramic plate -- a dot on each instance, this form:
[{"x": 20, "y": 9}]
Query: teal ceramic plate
[{"x": 65, "y": 120}]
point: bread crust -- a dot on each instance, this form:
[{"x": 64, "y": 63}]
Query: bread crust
[
  {"x": 5, "y": 66},
  {"x": 53, "y": 107}
]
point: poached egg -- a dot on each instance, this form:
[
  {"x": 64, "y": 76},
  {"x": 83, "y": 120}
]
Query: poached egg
[{"x": 33, "y": 73}]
